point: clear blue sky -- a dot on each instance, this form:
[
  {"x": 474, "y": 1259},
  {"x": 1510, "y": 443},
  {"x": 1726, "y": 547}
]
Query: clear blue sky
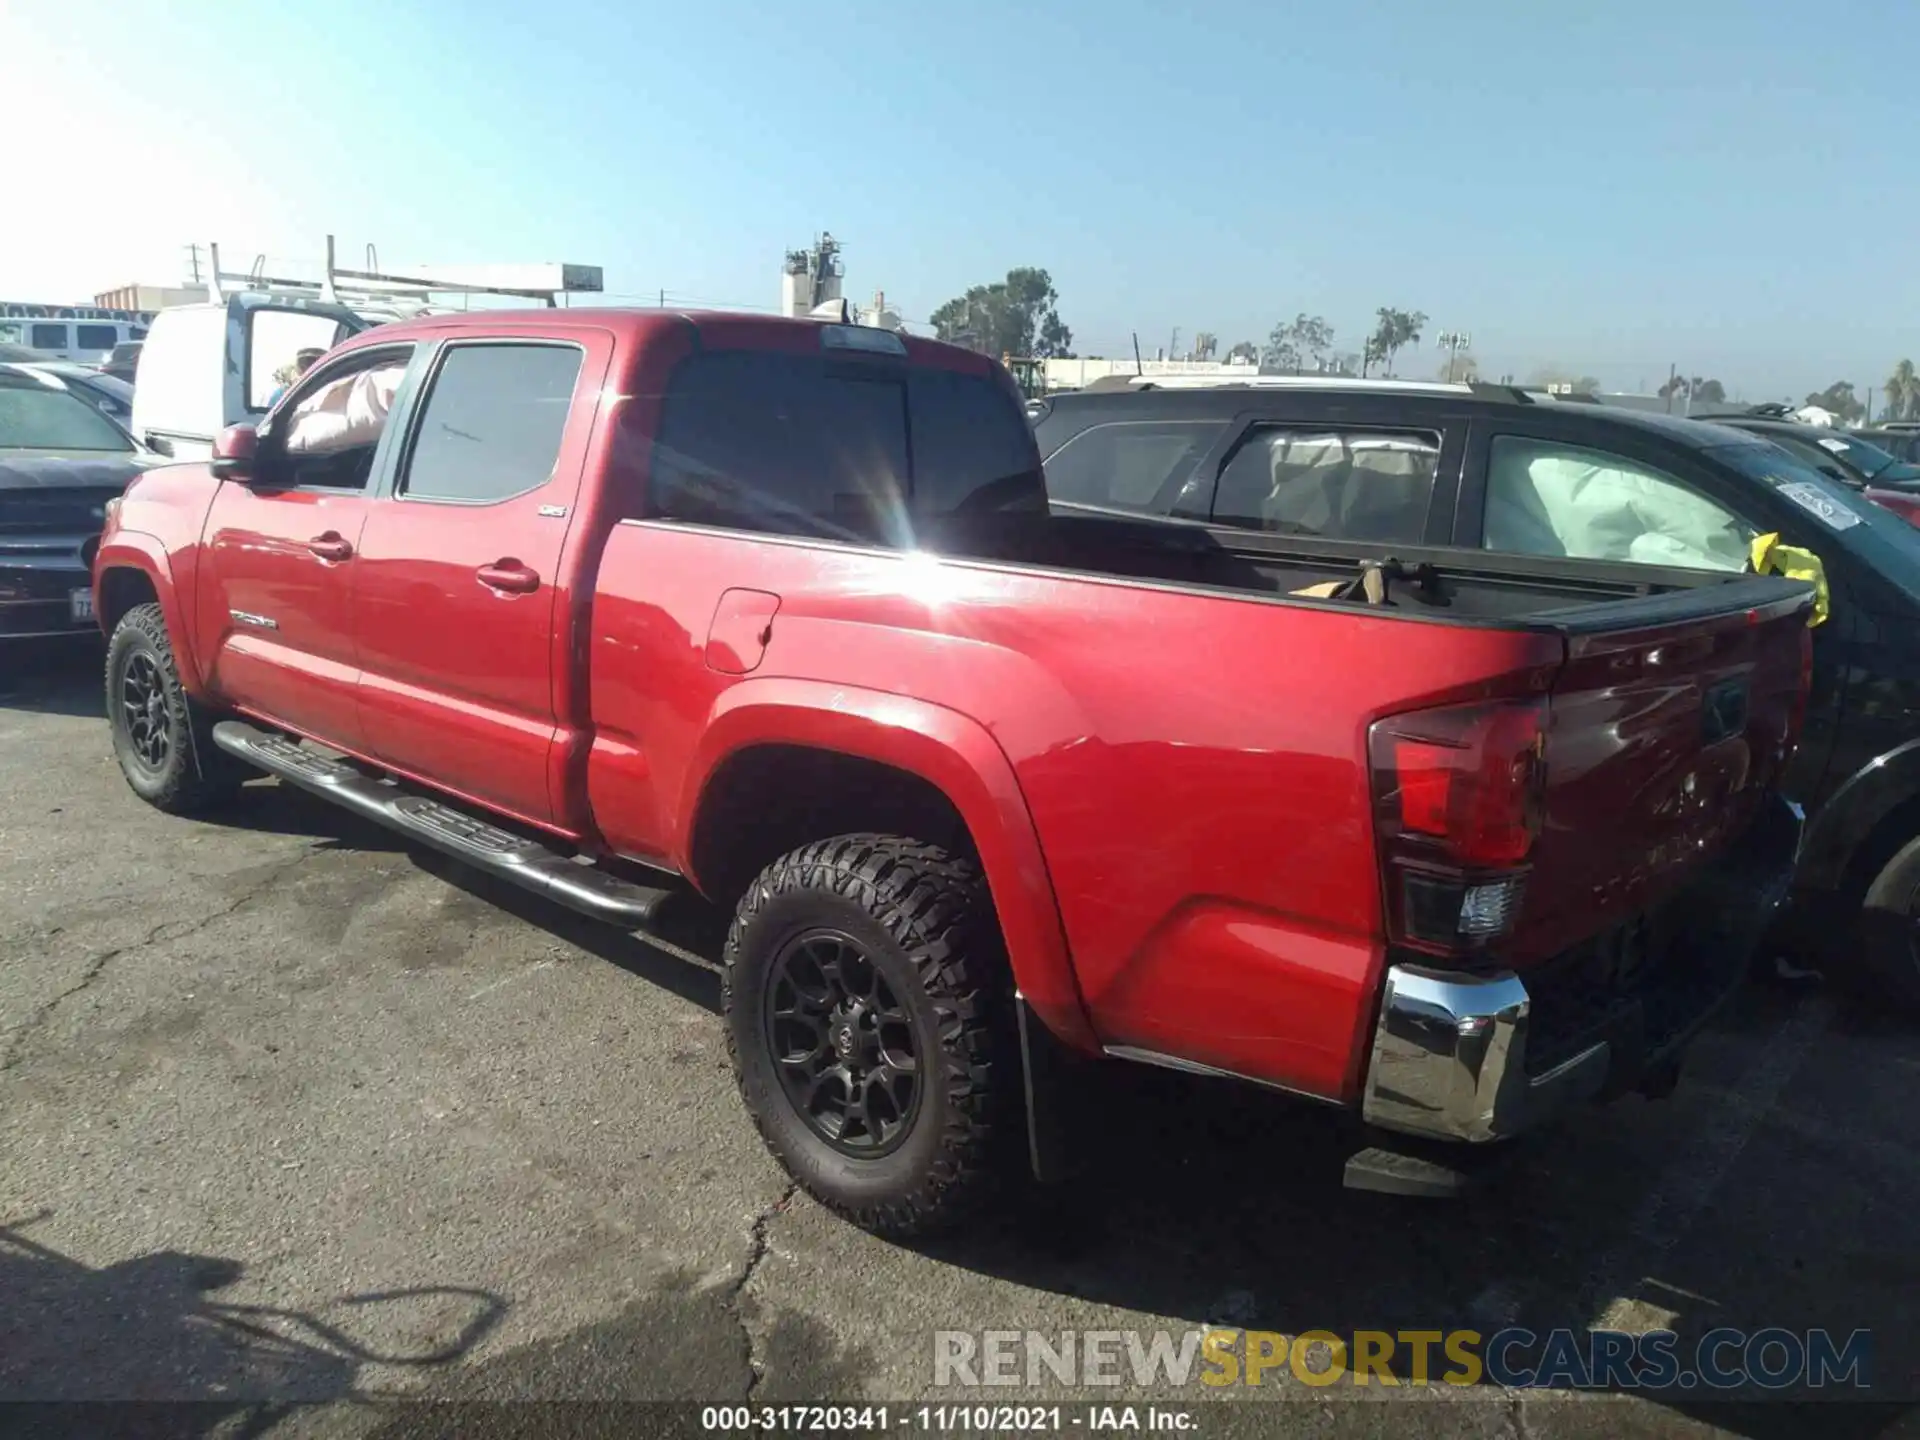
[{"x": 1609, "y": 187}]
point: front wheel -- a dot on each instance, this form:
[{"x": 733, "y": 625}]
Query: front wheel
[
  {"x": 161, "y": 736},
  {"x": 1890, "y": 928},
  {"x": 868, "y": 1017}
]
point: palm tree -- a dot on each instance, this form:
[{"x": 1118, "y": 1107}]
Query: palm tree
[{"x": 1903, "y": 392}]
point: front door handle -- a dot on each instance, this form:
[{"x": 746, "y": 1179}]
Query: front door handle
[
  {"x": 330, "y": 546},
  {"x": 509, "y": 576}
]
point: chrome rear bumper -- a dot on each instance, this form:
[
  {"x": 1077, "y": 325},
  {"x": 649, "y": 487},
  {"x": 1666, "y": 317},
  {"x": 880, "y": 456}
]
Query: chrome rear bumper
[
  {"x": 1449, "y": 1059},
  {"x": 1450, "y": 1049}
]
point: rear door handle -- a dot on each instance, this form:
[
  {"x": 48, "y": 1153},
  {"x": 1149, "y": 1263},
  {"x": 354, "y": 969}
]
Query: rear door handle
[
  {"x": 330, "y": 546},
  {"x": 509, "y": 576}
]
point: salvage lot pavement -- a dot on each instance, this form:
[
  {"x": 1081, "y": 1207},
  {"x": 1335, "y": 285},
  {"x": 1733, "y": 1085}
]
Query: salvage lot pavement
[{"x": 294, "y": 1114}]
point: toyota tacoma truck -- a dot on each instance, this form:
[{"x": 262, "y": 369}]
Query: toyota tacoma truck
[{"x": 629, "y": 606}]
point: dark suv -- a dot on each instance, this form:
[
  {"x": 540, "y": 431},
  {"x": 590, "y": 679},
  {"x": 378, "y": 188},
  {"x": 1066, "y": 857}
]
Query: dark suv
[{"x": 1605, "y": 492}]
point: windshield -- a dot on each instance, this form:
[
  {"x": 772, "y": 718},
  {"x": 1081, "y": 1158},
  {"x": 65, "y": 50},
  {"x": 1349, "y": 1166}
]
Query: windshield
[
  {"x": 1850, "y": 452},
  {"x": 1854, "y": 519},
  {"x": 37, "y": 417},
  {"x": 1898, "y": 476}
]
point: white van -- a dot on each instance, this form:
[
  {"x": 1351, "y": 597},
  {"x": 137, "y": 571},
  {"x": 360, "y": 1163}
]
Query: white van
[
  {"x": 89, "y": 342},
  {"x": 205, "y": 367}
]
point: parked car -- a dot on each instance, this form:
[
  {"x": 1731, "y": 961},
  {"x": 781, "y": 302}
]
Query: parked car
[
  {"x": 1482, "y": 466},
  {"x": 113, "y": 398},
  {"x": 61, "y": 462},
  {"x": 1847, "y": 456},
  {"x": 621, "y": 606}
]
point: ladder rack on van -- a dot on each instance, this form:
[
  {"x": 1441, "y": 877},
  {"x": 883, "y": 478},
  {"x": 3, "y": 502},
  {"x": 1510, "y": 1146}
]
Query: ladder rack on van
[{"x": 376, "y": 295}]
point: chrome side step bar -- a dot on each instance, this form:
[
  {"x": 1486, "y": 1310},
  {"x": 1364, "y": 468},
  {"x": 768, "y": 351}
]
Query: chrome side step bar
[{"x": 515, "y": 858}]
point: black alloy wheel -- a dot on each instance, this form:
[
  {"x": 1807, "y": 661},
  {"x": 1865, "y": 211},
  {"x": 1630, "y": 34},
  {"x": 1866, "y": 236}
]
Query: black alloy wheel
[
  {"x": 844, "y": 1045},
  {"x": 145, "y": 713}
]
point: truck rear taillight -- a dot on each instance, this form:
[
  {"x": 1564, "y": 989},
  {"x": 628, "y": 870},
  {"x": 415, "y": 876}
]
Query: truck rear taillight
[{"x": 1459, "y": 797}]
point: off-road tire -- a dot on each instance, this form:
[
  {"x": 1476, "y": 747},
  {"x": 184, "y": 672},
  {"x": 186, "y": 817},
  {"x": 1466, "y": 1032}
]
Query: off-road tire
[
  {"x": 1889, "y": 930},
  {"x": 926, "y": 920},
  {"x": 195, "y": 774}
]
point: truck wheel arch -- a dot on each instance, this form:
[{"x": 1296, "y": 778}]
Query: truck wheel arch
[
  {"x": 132, "y": 569},
  {"x": 765, "y": 722},
  {"x": 1864, "y": 823}
]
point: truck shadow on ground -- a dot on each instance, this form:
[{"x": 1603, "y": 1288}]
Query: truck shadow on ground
[{"x": 142, "y": 1345}]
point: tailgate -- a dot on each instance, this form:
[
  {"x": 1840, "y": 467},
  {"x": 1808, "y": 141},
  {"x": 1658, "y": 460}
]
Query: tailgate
[{"x": 1671, "y": 721}]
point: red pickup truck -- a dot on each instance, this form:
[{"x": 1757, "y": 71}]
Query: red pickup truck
[{"x": 621, "y": 606}]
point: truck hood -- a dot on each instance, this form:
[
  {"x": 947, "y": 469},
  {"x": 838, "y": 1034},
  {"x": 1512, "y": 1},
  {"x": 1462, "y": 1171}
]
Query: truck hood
[{"x": 69, "y": 469}]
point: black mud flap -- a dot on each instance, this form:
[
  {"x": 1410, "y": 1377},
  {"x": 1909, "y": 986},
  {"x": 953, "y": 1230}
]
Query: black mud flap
[{"x": 1057, "y": 1080}]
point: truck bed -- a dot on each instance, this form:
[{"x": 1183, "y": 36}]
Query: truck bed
[{"x": 1443, "y": 583}]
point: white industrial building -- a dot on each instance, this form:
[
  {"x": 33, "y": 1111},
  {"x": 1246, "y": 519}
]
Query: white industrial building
[{"x": 1077, "y": 374}]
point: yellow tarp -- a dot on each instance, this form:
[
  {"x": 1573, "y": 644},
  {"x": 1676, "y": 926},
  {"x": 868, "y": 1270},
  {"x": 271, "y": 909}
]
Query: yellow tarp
[{"x": 1770, "y": 557}]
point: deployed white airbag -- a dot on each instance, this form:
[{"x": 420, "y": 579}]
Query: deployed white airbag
[{"x": 1550, "y": 499}]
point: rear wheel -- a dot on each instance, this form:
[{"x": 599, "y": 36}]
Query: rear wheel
[
  {"x": 868, "y": 1021},
  {"x": 1890, "y": 928},
  {"x": 162, "y": 737}
]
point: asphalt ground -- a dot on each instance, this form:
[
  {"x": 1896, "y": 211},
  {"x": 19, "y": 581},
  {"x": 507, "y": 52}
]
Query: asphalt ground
[{"x": 305, "y": 1128}]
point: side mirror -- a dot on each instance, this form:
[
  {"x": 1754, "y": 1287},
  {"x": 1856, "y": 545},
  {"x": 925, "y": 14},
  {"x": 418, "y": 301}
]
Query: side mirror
[{"x": 233, "y": 452}]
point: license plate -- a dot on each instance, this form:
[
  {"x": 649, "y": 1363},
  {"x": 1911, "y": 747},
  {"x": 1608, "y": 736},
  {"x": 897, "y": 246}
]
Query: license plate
[{"x": 80, "y": 604}]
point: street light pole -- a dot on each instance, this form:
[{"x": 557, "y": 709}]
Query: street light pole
[{"x": 1454, "y": 341}]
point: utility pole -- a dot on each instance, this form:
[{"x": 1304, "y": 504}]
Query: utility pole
[
  {"x": 1453, "y": 342},
  {"x": 1672, "y": 370}
]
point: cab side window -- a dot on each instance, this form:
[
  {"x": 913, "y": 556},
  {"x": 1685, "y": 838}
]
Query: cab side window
[
  {"x": 1126, "y": 464},
  {"x": 325, "y": 436},
  {"x": 1344, "y": 484},
  {"x": 492, "y": 423},
  {"x": 1549, "y": 498}
]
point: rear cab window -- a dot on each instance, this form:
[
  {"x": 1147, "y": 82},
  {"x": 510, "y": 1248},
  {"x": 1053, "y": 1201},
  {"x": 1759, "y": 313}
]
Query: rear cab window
[{"x": 856, "y": 449}]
